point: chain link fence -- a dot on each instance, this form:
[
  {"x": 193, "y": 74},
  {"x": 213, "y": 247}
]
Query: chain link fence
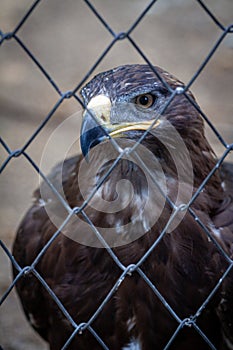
[{"x": 87, "y": 325}]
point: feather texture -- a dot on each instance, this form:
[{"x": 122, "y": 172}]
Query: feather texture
[{"x": 185, "y": 265}]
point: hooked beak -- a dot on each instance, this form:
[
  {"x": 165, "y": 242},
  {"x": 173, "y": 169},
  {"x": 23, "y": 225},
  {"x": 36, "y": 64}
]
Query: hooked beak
[
  {"x": 96, "y": 126},
  {"x": 95, "y": 117},
  {"x": 92, "y": 133}
]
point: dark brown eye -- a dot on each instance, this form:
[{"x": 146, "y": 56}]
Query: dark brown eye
[{"x": 145, "y": 100}]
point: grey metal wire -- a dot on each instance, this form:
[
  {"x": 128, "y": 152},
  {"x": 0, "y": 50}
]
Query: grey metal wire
[{"x": 127, "y": 271}]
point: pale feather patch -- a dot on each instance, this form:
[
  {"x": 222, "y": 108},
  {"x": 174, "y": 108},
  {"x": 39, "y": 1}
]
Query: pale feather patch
[
  {"x": 133, "y": 345},
  {"x": 216, "y": 232},
  {"x": 131, "y": 323},
  {"x": 223, "y": 185}
]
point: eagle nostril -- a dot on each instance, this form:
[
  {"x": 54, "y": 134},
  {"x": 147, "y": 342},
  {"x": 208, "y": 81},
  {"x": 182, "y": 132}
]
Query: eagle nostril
[{"x": 103, "y": 118}]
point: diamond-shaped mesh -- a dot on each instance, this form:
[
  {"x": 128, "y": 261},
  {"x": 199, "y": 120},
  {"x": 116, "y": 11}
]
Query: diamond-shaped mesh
[{"x": 126, "y": 36}]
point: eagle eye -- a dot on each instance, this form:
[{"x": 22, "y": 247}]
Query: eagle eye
[{"x": 145, "y": 100}]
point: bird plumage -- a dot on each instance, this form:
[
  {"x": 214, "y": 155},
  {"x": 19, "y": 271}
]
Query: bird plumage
[{"x": 184, "y": 267}]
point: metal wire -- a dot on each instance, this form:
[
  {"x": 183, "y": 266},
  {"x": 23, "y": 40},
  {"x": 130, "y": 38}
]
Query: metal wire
[{"x": 87, "y": 325}]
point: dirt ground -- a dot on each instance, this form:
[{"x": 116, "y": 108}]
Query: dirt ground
[{"x": 67, "y": 38}]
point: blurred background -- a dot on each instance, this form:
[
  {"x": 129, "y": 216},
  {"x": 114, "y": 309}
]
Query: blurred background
[{"x": 67, "y": 39}]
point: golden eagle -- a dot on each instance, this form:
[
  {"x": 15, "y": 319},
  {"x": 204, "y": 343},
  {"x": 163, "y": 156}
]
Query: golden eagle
[{"x": 138, "y": 247}]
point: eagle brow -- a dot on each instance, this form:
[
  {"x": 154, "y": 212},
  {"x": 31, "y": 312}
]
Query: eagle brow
[{"x": 140, "y": 91}]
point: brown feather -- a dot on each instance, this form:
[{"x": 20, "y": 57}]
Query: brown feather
[{"x": 184, "y": 267}]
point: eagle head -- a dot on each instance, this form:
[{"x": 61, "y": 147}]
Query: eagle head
[{"x": 137, "y": 103}]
